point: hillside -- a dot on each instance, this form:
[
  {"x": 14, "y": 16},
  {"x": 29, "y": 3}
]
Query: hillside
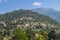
[
  {"x": 9, "y": 16},
  {"x": 26, "y": 23},
  {"x": 49, "y": 12}
]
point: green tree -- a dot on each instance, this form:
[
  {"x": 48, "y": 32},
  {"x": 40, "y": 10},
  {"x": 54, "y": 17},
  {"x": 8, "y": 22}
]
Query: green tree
[
  {"x": 20, "y": 34},
  {"x": 30, "y": 34},
  {"x": 43, "y": 35},
  {"x": 51, "y": 35}
]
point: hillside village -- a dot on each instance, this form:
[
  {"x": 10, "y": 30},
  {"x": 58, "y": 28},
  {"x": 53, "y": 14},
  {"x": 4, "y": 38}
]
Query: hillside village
[
  {"x": 33, "y": 24},
  {"x": 25, "y": 23}
]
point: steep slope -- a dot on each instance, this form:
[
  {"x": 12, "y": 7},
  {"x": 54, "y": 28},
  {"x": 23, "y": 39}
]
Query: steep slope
[
  {"x": 9, "y": 16},
  {"x": 49, "y": 12}
]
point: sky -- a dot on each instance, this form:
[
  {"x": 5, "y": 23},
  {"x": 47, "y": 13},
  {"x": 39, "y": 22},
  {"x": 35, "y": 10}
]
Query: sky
[{"x": 10, "y": 5}]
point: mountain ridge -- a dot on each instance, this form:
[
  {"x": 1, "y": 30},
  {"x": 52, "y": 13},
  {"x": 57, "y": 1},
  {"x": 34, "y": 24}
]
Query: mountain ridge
[
  {"x": 9, "y": 16},
  {"x": 49, "y": 12}
]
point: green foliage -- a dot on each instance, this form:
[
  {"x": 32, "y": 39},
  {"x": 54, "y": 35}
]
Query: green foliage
[
  {"x": 51, "y": 35},
  {"x": 9, "y": 16},
  {"x": 20, "y": 34},
  {"x": 30, "y": 33},
  {"x": 43, "y": 35}
]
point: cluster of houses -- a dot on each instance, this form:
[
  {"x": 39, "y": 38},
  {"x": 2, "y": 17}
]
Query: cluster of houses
[{"x": 25, "y": 24}]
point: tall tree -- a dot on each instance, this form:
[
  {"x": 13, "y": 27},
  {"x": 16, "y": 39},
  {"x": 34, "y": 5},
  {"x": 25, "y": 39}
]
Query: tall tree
[
  {"x": 51, "y": 35},
  {"x": 20, "y": 34}
]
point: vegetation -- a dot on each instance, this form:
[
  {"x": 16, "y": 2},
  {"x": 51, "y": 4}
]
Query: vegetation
[
  {"x": 20, "y": 34},
  {"x": 27, "y": 25},
  {"x": 26, "y": 13}
]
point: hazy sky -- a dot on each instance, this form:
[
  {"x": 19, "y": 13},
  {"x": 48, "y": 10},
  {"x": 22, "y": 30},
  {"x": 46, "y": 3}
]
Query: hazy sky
[{"x": 9, "y": 5}]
